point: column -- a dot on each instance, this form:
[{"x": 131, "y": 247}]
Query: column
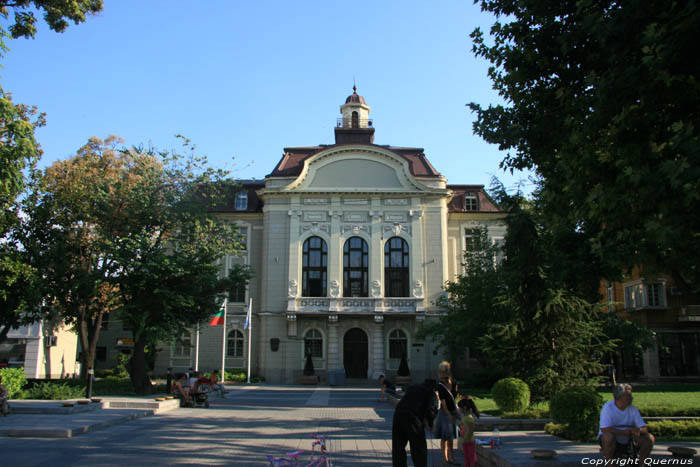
[
  {"x": 335, "y": 255},
  {"x": 294, "y": 285},
  {"x": 378, "y": 347},
  {"x": 376, "y": 252}
]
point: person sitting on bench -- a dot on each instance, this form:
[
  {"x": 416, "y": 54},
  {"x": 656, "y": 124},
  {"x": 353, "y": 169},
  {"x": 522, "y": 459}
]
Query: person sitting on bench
[{"x": 621, "y": 422}]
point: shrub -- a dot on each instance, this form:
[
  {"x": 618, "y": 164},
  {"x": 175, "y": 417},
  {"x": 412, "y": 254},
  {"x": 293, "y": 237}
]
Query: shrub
[
  {"x": 242, "y": 377},
  {"x": 14, "y": 380},
  {"x": 511, "y": 394},
  {"x": 579, "y": 408},
  {"x": 674, "y": 429},
  {"x": 113, "y": 386},
  {"x": 53, "y": 391}
]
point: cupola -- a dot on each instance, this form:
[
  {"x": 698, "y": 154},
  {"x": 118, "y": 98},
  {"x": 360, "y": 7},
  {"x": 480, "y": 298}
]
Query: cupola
[{"x": 355, "y": 125}]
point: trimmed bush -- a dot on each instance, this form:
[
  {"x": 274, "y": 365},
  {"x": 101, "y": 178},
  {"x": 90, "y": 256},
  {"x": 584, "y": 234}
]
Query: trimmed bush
[
  {"x": 674, "y": 429},
  {"x": 53, "y": 391},
  {"x": 511, "y": 394},
  {"x": 579, "y": 408},
  {"x": 13, "y": 379}
]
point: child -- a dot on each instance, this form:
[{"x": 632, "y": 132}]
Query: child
[{"x": 466, "y": 430}]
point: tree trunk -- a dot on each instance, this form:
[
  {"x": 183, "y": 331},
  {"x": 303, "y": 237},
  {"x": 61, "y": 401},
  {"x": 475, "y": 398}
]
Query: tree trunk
[
  {"x": 88, "y": 332},
  {"x": 139, "y": 369},
  {"x": 3, "y": 333}
]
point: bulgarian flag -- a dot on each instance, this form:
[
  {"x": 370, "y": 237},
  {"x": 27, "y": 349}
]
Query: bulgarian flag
[{"x": 218, "y": 318}]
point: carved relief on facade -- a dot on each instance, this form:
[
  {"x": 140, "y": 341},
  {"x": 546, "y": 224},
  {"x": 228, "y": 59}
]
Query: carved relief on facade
[
  {"x": 417, "y": 289},
  {"x": 293, "y": 289},
  {"x": 395, "y": 229},
  {"x": 354, "y": 229},
  {"x": 335, "y": 288},
  {"x": 314, "y": 228},
  {"x": 376, "y": 288}
]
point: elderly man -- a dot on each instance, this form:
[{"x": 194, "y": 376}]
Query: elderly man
[{"x": 620, "y": 421}]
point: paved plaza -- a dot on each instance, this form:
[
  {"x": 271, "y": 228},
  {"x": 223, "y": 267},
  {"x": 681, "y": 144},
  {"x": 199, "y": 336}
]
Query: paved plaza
[{"x": 245, "y": 426}]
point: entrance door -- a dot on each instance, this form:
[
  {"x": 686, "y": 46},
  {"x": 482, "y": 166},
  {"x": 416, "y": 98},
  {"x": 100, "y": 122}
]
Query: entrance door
[{"x": 355, "y": 353}]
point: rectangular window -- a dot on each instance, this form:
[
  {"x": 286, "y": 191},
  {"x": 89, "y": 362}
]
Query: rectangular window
[
  {"x": 101, "y": 353},
  {"x": 499, "y": 243},
  {"x": 640, "y": 295},
  {"x": 105, "y": 321},
  {"x": 237, "y": 294},
  {"x": 243, "y": 238},
  {"x": 470, "y": 202},
  {"x": 470, "y": 239}
]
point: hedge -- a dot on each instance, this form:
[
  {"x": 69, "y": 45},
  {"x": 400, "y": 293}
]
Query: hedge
[{"x": 661, "y": 429}]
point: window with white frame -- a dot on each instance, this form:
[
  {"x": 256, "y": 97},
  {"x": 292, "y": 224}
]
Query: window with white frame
[
  {"x": 314, "y": 267},
  {"x": 242, "y": 232},
  {"x": 610, "y": 295},
  {"x": 355, "y": 268},
  {"x": 234, "y": 347},
  {"x": 183, "y": 345},
  {"x": 642, "y": 294},
  {"x": 470, "y": 202},
  {"x": 396, "y": 273},
  {"x": 313, "y": 343},
  {"x": 241, "y": 201},
  {"x": 471, "y": 236},
  {"x": 499, "y": 243},
  {"x": 398, "y": 344}
]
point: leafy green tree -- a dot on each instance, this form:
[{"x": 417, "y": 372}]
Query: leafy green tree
[
  {"x": 133, "y": 232},
  {"x": 19, "y": 152},
  {"x": 601, "y": 99},
  {"x": 57, "y": 13}
]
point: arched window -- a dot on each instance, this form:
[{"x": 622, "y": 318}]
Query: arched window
[
  {"x": 398, "y": 344},
  {"x": 355, "y": 120},
  {"x": 355, "y": 264},
  {"x": 313, "y": 343},
  {"x": 183, "y": 345},
  {"x": 314, "y": 268},
  {"x": 234, "y": 345},
  {"x": 396, "y": 267},
  {"x": 241, "y": 201}
]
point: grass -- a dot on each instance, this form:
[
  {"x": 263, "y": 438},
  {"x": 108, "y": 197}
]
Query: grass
[{"x": 653, "y": 400}]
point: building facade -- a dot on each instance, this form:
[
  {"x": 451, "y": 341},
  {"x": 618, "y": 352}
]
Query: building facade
[{"x": 351, "y": 245}]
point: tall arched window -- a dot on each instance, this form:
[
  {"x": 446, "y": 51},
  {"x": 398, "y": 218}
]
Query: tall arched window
[
  {"x": 355, "y": 268},
  {"x": 398, "y": 344},
  {"x": 234, "y": 347},
  {"x": 313, "y": 343},
  {"x": 355, "y": 120},
  {"x": 183, "y": 345},
  {"x": 314, "y": 268},
  {"x": 396, "y": 267}
]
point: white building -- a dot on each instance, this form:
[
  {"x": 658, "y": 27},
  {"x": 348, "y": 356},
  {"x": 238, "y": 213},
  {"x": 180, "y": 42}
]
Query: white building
[{"x": 351, "y": 244}]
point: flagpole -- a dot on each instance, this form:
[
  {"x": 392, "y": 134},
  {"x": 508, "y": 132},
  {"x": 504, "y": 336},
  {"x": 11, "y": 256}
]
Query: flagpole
[
  {"x": 250, "y": 326},
  {"x": 196, "y": 351},
  {"x": 223, "y": 345}
]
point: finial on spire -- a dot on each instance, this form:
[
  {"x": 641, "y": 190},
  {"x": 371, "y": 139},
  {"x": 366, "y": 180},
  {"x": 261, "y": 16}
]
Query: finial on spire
[{"x": 354, "y": 87}]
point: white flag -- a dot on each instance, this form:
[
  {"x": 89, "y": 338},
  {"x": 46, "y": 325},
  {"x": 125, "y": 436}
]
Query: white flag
[{"x": 247, "y": 316}]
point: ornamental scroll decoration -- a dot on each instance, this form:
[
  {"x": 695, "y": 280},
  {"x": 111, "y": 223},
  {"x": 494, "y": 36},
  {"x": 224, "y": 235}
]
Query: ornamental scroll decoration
[
  {"x": 417, "y": 289},
  {"x": 376, "y": 288},
  {"x": 293, "y": 288}
]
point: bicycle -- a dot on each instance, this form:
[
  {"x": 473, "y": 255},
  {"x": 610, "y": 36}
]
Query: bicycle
[{"x": 291, "y": 459}]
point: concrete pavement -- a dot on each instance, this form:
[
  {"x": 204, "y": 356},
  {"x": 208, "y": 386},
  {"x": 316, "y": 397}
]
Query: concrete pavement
[{"x": 241, "y": 429}]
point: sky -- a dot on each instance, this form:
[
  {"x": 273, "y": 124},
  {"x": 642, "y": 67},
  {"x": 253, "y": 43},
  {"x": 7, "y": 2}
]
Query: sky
[{"x": 243, "y": 79}]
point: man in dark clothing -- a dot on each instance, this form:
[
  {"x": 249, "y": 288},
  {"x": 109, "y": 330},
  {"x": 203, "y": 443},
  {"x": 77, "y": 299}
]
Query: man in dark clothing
[{"x": 414, "y": 413}]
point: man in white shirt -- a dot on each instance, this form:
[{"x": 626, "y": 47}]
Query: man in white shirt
[{"x": 620, "y": 421}]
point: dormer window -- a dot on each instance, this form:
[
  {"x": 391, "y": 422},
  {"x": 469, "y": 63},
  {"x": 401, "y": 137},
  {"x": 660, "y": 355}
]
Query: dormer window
[
  {"x": 470, "y": 202},
  {"x": 241, "y": 201}
]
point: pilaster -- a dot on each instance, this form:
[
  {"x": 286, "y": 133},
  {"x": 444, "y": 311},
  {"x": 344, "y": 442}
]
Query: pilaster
[
  {"x": 376, "y": 272},
  {"x": 378, "y": 347}
]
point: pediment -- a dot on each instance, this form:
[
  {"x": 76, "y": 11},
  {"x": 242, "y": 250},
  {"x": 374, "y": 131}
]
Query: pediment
[{"x": 352, "y": 169}]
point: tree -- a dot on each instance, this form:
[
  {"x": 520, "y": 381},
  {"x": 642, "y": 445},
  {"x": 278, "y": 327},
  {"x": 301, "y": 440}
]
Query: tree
[
  {"x": 19, "y": 152},
  {"x": 131, "y": 231},
  {"x": 57, "y": 13},
  {"x": 601, "y": 99}
]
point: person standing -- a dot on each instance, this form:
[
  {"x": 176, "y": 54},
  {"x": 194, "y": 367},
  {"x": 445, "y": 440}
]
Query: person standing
[
  {"x": 448, "y": 414},
  {"x": 466, "y": 430},
  {"x": 413, "y": 415}
]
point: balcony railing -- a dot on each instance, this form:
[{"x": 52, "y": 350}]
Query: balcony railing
[
  {"x": 689, "y": 313},
  {"x": 355, "y": 304},
  {"x": 357, "y": 123}
]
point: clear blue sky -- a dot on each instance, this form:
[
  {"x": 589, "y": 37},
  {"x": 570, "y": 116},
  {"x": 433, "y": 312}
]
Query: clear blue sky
[{"x": 245, "y": 79}]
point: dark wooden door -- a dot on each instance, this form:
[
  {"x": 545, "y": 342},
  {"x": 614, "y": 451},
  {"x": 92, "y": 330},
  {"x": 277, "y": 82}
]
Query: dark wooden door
[{"x": 355, "y": 353}]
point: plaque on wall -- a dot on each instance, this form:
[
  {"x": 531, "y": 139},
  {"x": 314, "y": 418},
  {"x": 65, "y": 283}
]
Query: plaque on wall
[
  {"x": 355, "y": 217},
  {"x": 314, "y": 216},
  {"x": 355, "y": 201},
  {"x": 315, "y": 200},
  {"x": 395, "y": 216},
  {"x": 396, "y": 201}
]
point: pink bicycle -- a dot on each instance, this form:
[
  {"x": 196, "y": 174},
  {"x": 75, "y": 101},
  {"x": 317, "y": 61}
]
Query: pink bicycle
[{"x": 291, "y": 459}]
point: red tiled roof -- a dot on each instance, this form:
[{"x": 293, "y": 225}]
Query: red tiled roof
[
  {"x": 484, "y": 202},
  {"x": 292, "y": 161},
  {"x": 255, "y": 204}
]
